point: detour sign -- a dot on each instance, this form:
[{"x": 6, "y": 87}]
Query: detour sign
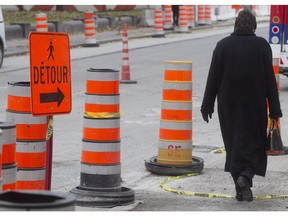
[{"x": 50, "y": 73}]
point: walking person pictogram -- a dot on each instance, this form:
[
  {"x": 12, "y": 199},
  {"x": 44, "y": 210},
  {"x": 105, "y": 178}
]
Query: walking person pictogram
[{"x": 51, "y": 50}]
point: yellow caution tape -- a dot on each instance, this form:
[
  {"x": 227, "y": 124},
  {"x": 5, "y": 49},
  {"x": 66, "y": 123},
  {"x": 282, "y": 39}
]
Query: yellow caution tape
[
  {"x": 102, "y": 114},
  {"x": 204, "y": 194},
  {"x": 218, "y": 150},
  {"x": 49, "y": 128}
]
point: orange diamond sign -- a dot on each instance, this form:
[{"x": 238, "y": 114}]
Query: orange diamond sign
[{"x": 50, "y": 73}]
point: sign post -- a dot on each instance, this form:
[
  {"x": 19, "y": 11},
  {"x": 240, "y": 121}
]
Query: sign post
[{"x": 50, "y": 76}]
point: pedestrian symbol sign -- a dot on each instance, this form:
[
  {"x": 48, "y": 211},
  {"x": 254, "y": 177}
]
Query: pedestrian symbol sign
[{"x": 50, "y": 73}]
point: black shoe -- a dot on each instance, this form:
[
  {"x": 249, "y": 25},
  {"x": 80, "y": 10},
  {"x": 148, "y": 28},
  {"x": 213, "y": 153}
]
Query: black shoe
[
  {"x": 239, "y": 197},
  {"x": 245, "y": 188}
]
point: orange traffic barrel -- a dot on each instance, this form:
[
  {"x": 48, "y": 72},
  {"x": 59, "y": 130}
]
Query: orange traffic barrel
[
  {"x": 8, "y": 142},
  {"x": 183, "y": 19},
  {"x": 41, "y": 22},
  {"x": 100, "y": 174},
  {"x": 176, "y": 115},
  {"x": 28, "y": 127},
  {"x": 158, "y": 23},
  {"x": 190, "y": 14},
  {"x": 201, "y": 15},
  {"x": 208, "y": 19},
  {"x": 168, "y": 24},
  {"x": 90, "y": 30},
  {"x": 102, "y": 81},
  {"x": 9, "y": 173},
  {"x": 31, "y": 179},
  {"x": 19, "y": 97},
  {"x": 175, "y": 132}
]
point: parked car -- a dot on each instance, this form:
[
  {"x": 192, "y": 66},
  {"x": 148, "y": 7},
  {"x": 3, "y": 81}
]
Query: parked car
[{"x": 2, "y": 37}]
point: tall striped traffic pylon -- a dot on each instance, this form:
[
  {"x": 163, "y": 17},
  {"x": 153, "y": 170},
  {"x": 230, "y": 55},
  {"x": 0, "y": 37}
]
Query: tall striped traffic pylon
[
  {"x": 191, "y": 14},
  {"x": 208, "y": 20},
  {"x": 125, "y": 73},
  {"x": 30, "y": 138},
  {"x": 100, "y": 174},
  {"x": 175, "y": 134},
  {"x": 158, "y": 23},
  {"x": 9, "y": 166},
  {"x": 89, "y": 30},
  {"x": 201, "y": 15},
  {"x": 41, "y": 22},
  {"x": 183, "y": 19},
  {"x": 168, "y": 24}
]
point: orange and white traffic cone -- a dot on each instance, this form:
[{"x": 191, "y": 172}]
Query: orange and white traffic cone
[
  {"x": 100, "y": 174},
  {"x": 175, "y": 134},
  {"x": 183, "y": 19},
  {"x": 90, "y": 30},
  {"x": 168, "y": 17},
  {"x": 158, "y": 23},
  {"x": 125, "y": 73},
  {"x": 191, "y": 18},
  {"x": 201, "y": 15},
  {"x": 208, "y": 20},
  {"x": 41, "y": 22}
]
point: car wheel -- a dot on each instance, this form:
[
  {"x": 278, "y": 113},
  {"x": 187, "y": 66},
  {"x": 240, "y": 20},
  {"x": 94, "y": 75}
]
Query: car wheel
[{"x": 1, "y": 54}]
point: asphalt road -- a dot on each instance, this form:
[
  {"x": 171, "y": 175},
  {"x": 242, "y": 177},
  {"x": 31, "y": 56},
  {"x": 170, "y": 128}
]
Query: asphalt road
[{"x": 140, "y": 108}]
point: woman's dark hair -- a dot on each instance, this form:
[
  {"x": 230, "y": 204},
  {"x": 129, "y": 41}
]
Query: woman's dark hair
[{"x": 245, "y": 20}]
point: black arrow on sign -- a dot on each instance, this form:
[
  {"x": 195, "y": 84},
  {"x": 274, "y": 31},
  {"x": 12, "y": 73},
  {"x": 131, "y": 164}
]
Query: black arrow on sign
[{"x": 52, "y": 97}]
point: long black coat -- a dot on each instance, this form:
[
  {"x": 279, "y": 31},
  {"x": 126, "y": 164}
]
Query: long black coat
[{"x": 241, "y": 76}]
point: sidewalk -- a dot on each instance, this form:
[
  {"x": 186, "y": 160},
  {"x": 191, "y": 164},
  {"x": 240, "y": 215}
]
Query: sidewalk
[{"x": 21, "y": 46}]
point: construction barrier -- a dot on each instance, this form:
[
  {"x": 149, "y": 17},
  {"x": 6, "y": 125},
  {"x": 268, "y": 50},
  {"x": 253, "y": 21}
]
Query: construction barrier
[
  {"x": 90, "y": 30},
  {"x": 41, "y": 22},
  {"x": 158, "y": 23},
  {"x": 183, "y": 19},
  {"x": 9, "y": 167},
  {"x": 191, "y": 14},
  {"x": 1, "y": 179},
  {"x": 208, "y": 19},
  {"x": 168, "y": 24},
  {"x": 36, "y": 201},
  {"x": 175, "y": 133},
  {"x": 125, "y": 73},
  {"x": 100, "y": 174},
  {"x": 201, "y": 15},
  {"x": 30, "y": 138}
]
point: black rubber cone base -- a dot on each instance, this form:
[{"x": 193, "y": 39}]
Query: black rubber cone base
[
  {"x": 102, "y": 199},
  {"x": 128, "y": 81},
  {"x": 90, "y": 45},
  {"x": 175, "y": 170}
]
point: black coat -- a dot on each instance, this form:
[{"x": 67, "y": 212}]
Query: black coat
[{"x": 241, "y": 76}]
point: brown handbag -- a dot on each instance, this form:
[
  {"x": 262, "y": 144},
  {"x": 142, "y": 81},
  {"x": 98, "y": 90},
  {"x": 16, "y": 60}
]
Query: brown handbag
[{"x": 274, "y": 141}]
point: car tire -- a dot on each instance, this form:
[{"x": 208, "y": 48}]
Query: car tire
[{"x": 1, "y": 54}]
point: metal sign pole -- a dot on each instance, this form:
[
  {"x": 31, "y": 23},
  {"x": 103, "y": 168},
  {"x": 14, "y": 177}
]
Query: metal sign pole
[{"x": 49, "y": 152}]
